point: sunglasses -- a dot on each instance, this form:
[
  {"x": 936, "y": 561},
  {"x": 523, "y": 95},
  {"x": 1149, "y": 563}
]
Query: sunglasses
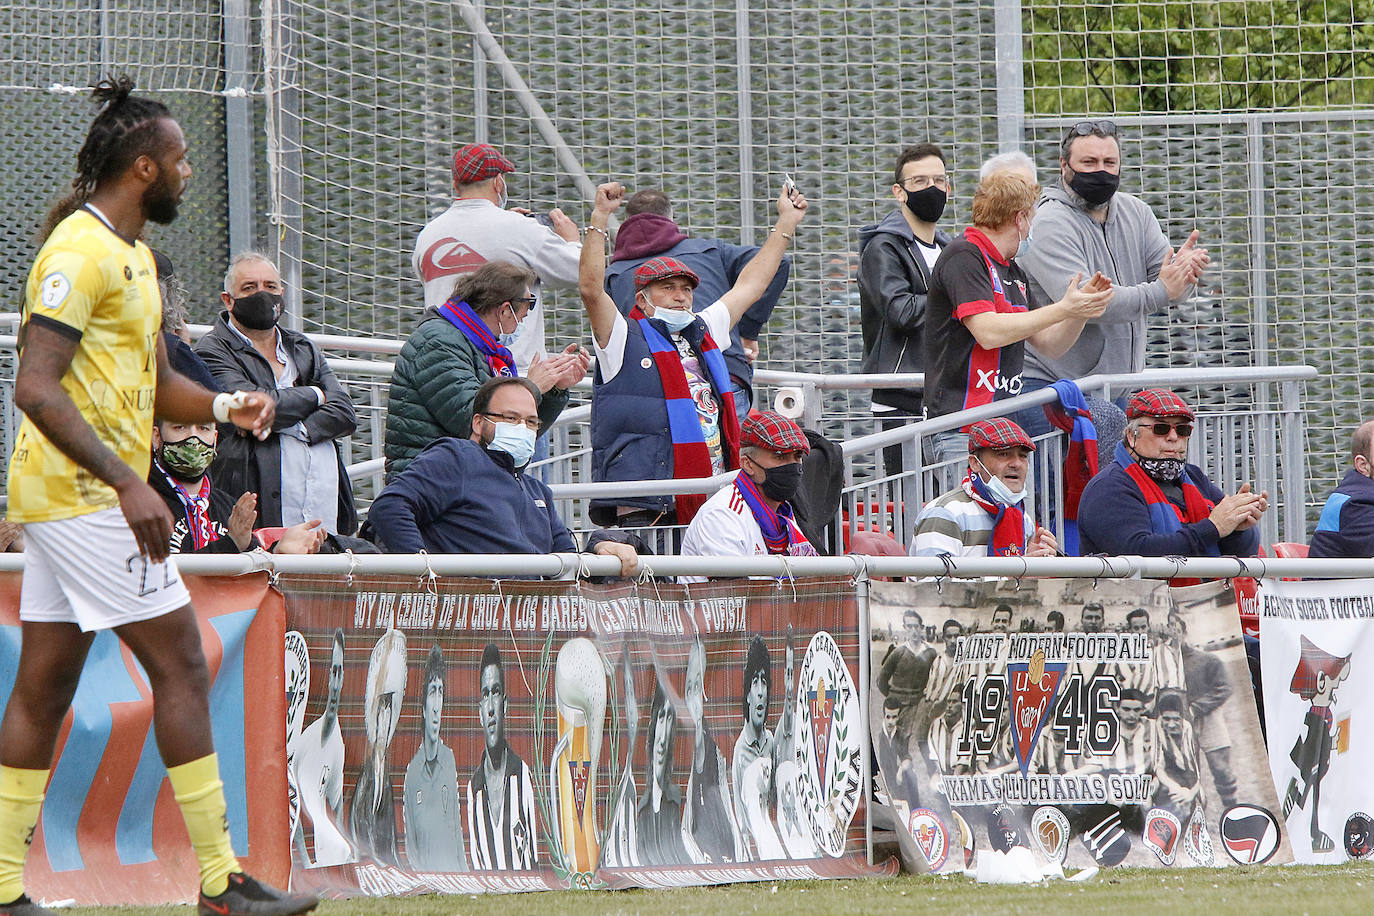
[
  {"x": 1184, "y": 430},
  {"x": 1093, "y": 128}
]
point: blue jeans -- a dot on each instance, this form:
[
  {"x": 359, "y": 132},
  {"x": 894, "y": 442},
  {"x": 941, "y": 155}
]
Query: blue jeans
[{"x": 741, "y": 396}]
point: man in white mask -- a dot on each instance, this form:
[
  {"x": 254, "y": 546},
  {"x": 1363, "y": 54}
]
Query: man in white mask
[
  {"x": 986, "y": 514},
  {"x": 473, "y": 495}
]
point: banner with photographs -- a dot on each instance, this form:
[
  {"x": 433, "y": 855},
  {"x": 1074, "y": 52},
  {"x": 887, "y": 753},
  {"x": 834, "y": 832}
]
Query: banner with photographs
[
  {"x": 462, "y": 736},
  {"x": 110, "y": 831},
  {"x": 1057, "y": 724},
  {"x": 1317, "y": 642}
]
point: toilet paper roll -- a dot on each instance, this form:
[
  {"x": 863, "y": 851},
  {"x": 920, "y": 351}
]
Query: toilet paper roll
[{"x": 789, "y": 402}]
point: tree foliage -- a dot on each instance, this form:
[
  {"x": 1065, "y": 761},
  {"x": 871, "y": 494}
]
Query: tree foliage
[{"x": 1198, "y": 55}]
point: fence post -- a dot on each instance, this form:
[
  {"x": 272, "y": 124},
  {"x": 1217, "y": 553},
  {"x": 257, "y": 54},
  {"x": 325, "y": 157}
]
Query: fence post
[
  {"x": 284, "y": 149},
  {"x": 865, "y": 641},
  {"x": 1011, "y": 95},
  {"x": 238, "y": 132},
  {"x": 743, "y": 55},
  {"x": 1294, "y": 465}
]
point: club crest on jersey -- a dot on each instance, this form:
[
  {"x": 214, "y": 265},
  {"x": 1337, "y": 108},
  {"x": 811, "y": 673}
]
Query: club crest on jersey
[
  {"x": 1249, "y": 834},
  {"x": 1050, "y": 831},
  {"x": 577, "y": 771},
  {"x": 930, "y": 835},
  {"x": 1162, "y": 832},
  {"x": 1197, "y": 842},
  {"x": 1034, "y": 685},
  {"x": 828, "y": 756}
]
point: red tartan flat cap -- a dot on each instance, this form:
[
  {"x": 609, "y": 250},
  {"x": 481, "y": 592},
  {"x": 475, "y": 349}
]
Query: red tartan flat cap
[
  {"x": 661, "y": 269},
  {"x": 478, "y": 162},
  {"x": 1157, "y": 402},
  {"x": 771, "y": 430},
  {"x": 998, "y": 432}
]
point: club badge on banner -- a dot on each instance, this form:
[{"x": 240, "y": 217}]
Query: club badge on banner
[
  {"x": 1021, "y": 728},
  {"x": 465, "y": 736},
  {"x": 1317, "y": 642}
]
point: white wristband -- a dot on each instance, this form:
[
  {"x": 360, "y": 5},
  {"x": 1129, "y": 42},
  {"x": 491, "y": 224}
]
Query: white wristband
[{"x": 225, "y": 402}]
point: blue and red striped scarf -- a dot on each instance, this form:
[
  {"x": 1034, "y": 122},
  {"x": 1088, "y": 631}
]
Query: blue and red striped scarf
[
  {"x": 780, "y": 531},
  {"x": 691, "y": 457},
  {"x": 197, "y": 511},
  {"x": 1008, "y": 538},
  {"x": 1165, "y": 517},
  {"x": 461, "y": 316},
  {"x": 1080, "y": 460}
]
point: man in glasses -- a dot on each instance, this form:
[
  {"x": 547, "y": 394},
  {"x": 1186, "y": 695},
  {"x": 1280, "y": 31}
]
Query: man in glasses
[
  {"x": 896, "y": 257},
  {"x": 1085, "y": 224},
  {"x": 473, "y": 495},
  {"x": 1151, "y": 502}
]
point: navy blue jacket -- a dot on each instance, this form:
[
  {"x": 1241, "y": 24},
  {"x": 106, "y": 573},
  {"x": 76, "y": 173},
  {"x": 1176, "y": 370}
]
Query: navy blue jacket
[
  {"x": 718, "y": 264},
  {"x": 630, "y": 436},
  {"x": 1346, "y": 526},
  {"x": 1114, "y": 518},
  {"x": 457, "y": 497}
]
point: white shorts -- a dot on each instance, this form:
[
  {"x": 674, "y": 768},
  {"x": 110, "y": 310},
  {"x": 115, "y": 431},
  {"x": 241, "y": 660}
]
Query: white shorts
[{"x": 88, "y": 571}]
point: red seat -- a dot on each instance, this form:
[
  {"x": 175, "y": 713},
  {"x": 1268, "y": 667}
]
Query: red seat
[
  {"x": 873, "y": 544},
  {"x": 1290, "y": 550}
]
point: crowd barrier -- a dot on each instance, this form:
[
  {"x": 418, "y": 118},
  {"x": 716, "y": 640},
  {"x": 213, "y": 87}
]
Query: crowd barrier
[{"x": 592, "y": 674}]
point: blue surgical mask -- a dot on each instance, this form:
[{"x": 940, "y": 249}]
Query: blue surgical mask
[
  {"x": 516, "y": 440},
  {"x": 508, "y": 340},
  {"x": 999, "y": 490},
  {"x": 677, "y": 320}
]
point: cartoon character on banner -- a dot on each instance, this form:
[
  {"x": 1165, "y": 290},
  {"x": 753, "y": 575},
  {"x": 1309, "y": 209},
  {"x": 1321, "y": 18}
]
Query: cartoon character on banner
[
  {"x": 373, "y": 813},
  {"x": 579, "y": 684},
  {"x": 618, "y": 849},
  {"x": 1315, "y": 680},
  {"x": 319, "y": 765},
  {"x": 297, "y": 671}
]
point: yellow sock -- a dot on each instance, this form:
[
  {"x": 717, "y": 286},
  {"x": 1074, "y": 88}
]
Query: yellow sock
[
  {"x": 200, "y": 794},
  {"x": 21, "y": 796}
]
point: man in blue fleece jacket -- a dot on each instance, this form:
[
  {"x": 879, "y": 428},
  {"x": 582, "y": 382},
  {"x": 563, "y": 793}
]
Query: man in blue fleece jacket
[
  {"x": 1346, "y": 526},
  {"x": 471, "y": 495}
]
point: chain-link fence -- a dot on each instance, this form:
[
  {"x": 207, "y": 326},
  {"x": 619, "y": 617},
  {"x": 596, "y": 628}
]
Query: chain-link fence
[{"x": 1238, "y": 118}]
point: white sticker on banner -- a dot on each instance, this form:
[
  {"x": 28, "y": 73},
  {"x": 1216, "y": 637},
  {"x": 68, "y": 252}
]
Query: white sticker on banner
[{"x": 830, "y": 744}]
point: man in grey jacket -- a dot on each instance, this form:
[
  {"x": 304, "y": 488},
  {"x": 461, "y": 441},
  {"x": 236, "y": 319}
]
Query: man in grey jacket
[{"x": 1084, "y": 225}]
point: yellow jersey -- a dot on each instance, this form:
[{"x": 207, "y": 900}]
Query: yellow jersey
[{"x": 88, "y": 282}]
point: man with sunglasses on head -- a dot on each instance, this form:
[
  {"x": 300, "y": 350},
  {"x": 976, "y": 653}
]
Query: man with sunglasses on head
[
  {"x": 1086, "y": 224},
  {"x": 1151, "y": 502},
  {"x": 473, "y": 495}
]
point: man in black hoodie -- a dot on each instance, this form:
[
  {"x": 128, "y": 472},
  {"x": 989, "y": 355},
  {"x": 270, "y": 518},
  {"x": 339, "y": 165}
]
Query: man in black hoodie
[
  {"x": 895, "y": 260},
  {"x": 649, "y": 231}
]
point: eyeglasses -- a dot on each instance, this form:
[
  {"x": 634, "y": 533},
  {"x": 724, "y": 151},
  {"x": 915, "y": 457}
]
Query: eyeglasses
[
  {"x": 528, "y": 300},
  {"x": 1093, "y": 128},
  {"x": 514, "y": 419},
  {"x": 924, "y": 181},
  {"x": 1184, "y": 430}
]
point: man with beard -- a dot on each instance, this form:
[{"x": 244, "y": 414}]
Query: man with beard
[
  {"x": 708, "y": 821},
  {"x": 434, "y": 835},
  {"x": 205, "y": 519},
  {"x": 896, "y": 257},
  {"x": 92, "y": 363},
  {"x": 1151, "y": 502},
  {"x": 658, "y": 818},
  {"x": 319, "y": 770},
  {"x": 502, "y": 830},
  {"x": 298, "y": 471}
]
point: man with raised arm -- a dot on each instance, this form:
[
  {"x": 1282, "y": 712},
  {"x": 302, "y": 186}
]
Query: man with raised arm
[
  {"x": 93, "y": 369},
  {"x": 661, "y": 407}
]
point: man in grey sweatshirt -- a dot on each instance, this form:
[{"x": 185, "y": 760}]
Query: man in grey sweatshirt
[{"x": 1085, "y": 225}]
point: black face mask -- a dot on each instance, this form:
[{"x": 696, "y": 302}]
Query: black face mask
[
  {"x": 782, "y": 482},
  {"x": 927, "y": 204},
  {"x": 1096, "y": 188},
  {"x": 258, "y": 311}
]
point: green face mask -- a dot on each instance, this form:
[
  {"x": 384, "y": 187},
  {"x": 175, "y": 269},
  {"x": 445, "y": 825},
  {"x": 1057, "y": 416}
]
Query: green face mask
[{"x": 187, "y": 459}]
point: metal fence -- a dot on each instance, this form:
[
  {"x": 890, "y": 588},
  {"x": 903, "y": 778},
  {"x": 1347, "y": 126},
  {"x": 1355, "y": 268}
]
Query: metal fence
[{"x": 323, "y": 130}]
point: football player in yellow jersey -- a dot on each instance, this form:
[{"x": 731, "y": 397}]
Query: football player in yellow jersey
[{"x": 92, "y": 370}]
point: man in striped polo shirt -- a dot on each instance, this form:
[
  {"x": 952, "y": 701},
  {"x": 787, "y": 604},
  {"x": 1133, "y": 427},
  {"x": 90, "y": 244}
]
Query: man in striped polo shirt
[{"x": 984, "y": 515}]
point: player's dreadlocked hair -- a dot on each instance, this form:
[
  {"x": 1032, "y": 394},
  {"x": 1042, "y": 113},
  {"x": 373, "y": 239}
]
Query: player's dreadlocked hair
[{"x": 124, "y": 129}]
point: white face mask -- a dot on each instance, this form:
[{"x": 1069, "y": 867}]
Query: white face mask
[
  {"x": 999, "y": 490},
  {"x": 508, "y": 340},
  {"x": 516, "y": 440},
  {"x": 677, "y": 320}
]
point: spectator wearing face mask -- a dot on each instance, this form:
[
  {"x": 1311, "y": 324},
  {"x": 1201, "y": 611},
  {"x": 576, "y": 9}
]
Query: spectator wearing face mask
[
  {"x": 205, "y": 519},
  {"x": 297, "y": 471},
  {"x": 459, "y": 345},
  {"x": 753, "y": 516},
  {"x": 985, "y": 517},
  {"x": 473, "y": 495}
]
